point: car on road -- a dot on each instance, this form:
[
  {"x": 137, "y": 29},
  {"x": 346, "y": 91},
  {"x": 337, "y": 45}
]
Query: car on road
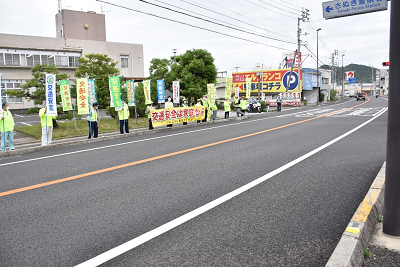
[{"x": 361, "y": 96}]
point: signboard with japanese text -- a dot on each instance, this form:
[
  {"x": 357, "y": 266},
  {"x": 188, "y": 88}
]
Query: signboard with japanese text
[
  {"x": 161, "y": 91},
  {"x": 82, "y": 96},
  {"x": 248, "y": 87},
  {"x": 175, "y": 91},
  {"x": 228, "y": 87},
  {"x": 115, "y": 88},
  {"x": 236, "y": 90},
  {"x": 343, "y": 8},
  {"x": 211, "y": 92},
  {"x": 288, "y": 59},
  {"x": 51, "y": 102},
  {"x": 310, "y": 81},
  {"x": 65, "y": 95},
  {"x": 273, "y": 81},
  {"x": 92, "y": 91},
  {"x": 162, "y": 117},
  {"x": 147, "y": 91},
  {"x": 130, "y": 92}
]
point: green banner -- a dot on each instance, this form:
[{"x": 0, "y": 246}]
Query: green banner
[
  {"x": 228, "y": 87},
  {"x": 65, "y": 95},
  {"x": 92, "y": 91},
  {"x": 147, "y": 91},
  {"x": 248, "y": 87},
  {"x": 115, "y": 88},
  {"x": 130, "y": 91}
]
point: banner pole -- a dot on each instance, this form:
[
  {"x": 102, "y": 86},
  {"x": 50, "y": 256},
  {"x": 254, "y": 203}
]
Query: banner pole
[
  {"x": 3, "y": 133},
  {"x": 47, "y": 130}
]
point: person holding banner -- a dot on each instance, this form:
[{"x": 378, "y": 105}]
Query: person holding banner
[
  {"x": 227, "y": 107},
  {"x": 169, "y": 104},
  {"x": 92, "y": 121},
  {"x": 148, "y": 111},
  {"x": 47, "y": 125},
  {"x": 7, "y": 127},
  {"x": 205, "y": 104},
  {"x": 124, "y": 116},
  {"x": 243, "y": 104},
  {"x": 213, "y": 108},
  {"x": 237, "y": 105}
]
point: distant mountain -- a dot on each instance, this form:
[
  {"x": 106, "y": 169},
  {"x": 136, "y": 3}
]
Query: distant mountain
[{"x": 362, "y": 73}]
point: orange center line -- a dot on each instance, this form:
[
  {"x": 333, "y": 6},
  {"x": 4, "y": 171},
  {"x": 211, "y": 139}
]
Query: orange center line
[{"x": 27, "y": 188}]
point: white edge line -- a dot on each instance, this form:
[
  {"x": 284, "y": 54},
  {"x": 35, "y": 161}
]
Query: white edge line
[{"x": 112, "y": 253}]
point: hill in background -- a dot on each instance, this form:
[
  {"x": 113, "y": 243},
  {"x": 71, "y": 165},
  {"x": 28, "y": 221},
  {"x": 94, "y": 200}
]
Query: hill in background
[{"x": 363, "y": 74}]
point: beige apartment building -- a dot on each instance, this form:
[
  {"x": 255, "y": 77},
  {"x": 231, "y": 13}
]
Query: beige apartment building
[{"x": 78, "y": 33}]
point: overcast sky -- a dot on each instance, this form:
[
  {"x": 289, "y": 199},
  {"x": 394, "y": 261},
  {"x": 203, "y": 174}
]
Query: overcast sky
[{"x": 365, "y": 38}]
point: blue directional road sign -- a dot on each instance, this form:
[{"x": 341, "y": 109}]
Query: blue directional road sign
[
  {"x": 352, "y": 80},
  {"x": 343, "y": 8}
]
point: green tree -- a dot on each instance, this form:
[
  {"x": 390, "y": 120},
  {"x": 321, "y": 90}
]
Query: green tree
[
  {"x": 159, "y": 70},
  {"x": 99, "y": 67},
  {"x": 38, "y": 82}
]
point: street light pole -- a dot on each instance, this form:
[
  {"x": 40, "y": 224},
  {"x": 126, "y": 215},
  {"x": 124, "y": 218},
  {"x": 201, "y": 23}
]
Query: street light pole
[
  {"x": 174, "y": 50},
  {"x": 342, "y": 78},
  {"x": 318, "y": 71}
]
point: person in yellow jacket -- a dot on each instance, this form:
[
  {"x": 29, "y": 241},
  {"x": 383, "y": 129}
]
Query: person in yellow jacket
[
  {"x": 47, "y": 125},
  {"x": 169, "y": 104},
  {"x": 148, "y": 111},
  {"x": 204, "y": 102},
  {"x": 227, "y": 107},
  {"x": 213, "y": 111},
  {"x": 237, "y": 105},
  {"x": 92, "y": 121},
  {"x": 6, "y": 127},
  {"x": 243, "y": 106},
  {"x": 124, "y": 116}
]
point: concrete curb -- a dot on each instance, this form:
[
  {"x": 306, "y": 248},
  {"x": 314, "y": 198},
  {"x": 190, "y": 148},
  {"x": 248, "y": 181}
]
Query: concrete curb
[
  {"x": 141, "y": 131},
  {"x": 350, "y": 249}
]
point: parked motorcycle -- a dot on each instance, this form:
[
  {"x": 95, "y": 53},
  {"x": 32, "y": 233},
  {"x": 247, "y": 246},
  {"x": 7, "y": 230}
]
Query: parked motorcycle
[{"x": 256, "y": 107}]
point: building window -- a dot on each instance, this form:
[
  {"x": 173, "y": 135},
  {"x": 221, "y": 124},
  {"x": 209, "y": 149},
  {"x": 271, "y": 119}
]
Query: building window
[
  {"x": 71, "y": 61},
  {"x": 45, "y": 60},
  {"x": 8, "y": 58},
  {"x": 1, "y": 59},
  {"x": 51, "y": 60},
  {"x": 11, "y": 85},
  {"x": 325, "y": 80},
  {"x": 124, "y": 62},
  {"x": 76, "y": 61}
]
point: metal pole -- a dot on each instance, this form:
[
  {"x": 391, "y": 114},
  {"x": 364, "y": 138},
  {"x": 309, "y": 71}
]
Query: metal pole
[
  {"x": 318, "y": 70},
  {"x": 391, "y": 218},
  {"x": 3, "y": 133},
  {"x": 342, "y": 79}
]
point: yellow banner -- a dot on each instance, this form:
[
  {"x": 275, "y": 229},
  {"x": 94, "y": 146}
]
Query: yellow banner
[
  {"x": 228, "y": 88},
  {"x": 147, "y": 91},
  {"x": 211, "y": 92},
  {"x": 248, "y": 87},
  {"x": 162, "y": 117}
]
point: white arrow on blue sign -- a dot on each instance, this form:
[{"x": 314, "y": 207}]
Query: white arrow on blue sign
[{"x": 343, "y": 8}]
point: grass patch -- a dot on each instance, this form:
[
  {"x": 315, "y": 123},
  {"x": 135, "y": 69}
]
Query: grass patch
[
  {"x": 67, "y": 129},
  {"x": 367, "y": 253}
]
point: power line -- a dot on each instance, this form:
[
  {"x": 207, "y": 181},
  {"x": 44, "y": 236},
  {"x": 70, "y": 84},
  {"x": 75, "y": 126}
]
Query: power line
[
  {"x": 278, "y": 7},
  {"x": 219, "y": 24},
  {"x": 285, "y": 5},
  {"x": 187, "y": 24},
  {"x": 271, "y": 10},
  {"x": 218, "y": 13}
]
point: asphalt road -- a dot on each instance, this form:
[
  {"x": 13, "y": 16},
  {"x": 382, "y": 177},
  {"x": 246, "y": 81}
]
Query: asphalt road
[{"x": 295, "y": 216}]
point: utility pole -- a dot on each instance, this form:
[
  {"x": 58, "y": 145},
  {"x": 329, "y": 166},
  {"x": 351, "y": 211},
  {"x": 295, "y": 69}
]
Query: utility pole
[
  {"x": 342, "y": 77},
  {"x": 305, "y": 13},
  {"x": 174, "y": 50},
  {"x": 236, "y": 68},
  {"x": 318, "y": 70},
  {"x": 391, "y": 218}
]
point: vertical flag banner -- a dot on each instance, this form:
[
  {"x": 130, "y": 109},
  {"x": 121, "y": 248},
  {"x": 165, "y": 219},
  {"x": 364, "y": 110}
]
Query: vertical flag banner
[
  {"x": 65, "y": 95},
  {"x": 1, "y": 92},
  {"x": 175, "y": 87},
  {"x": 115, "y": 87},
  {"x": 228, "y": 87},
  {"x": 51, "y": 103},
  {"x": 82, "y": 96},
  {"x": 147, "y": 91},
  {"x": 161, "y": 91},
  {"x": 92, "y": 91},
  {"x": 248, "y": 87},
  {"x": 130, "y": 91},
  {"x": 211, "y": 92},
  {"x": 237, "y": 91}
]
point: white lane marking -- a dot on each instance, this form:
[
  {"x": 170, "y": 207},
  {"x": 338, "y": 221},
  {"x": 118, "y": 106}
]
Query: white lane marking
[
  {"x": 153, "y": 138},
  {"x": 112, "y": 253},
  {"x": 25, "y": 123},
  {"x": 19, "y": 115}
]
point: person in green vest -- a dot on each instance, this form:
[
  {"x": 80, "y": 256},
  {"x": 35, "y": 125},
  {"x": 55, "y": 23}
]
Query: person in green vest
[
  {"x": 205, "y": 105},
  {"x": 124, "y": 116},
  {"x": 92, "y": 119},
  {"x": 47, "y": 125},
  {"x": 169, "y": 104},
  {"x": 7, "y": 127},
  {"x": 148, "y": 111},
  {"x": 243, "y": 105},
  {"x": 237, "y": 105},
  {"x": 227, "y": 107},
  {"x": 213, "y": 110},
  {"x": 185, "y": 105}
]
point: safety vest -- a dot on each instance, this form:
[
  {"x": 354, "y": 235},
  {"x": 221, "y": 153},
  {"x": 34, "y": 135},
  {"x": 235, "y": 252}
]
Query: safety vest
[
  {"x": 43, "y": 118},
  {"x": 8, "y": 124},
  {"x": 227, "y": 106},
  {"x": 204, "y": 102},
  {"x": 151, "y": 109},
  {"x": 92, "y": 114},
  {"x": 124, "y": 114},
  {"x": 237, "y": 103},
  {"x": 169, "y": 105},
  {"x": 243, "y": 104}
]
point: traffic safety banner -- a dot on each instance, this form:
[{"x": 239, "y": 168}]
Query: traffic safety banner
[
  {"x": 51, "y": 103},
  {"x": 82, "y": 96},
  {"x": 273, "y": 81},
  {"x": 167, "y": 116},
  {"x": 65, "y": 95}
]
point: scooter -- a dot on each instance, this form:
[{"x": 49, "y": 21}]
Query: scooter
[{"x": 255, "y": 108}]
